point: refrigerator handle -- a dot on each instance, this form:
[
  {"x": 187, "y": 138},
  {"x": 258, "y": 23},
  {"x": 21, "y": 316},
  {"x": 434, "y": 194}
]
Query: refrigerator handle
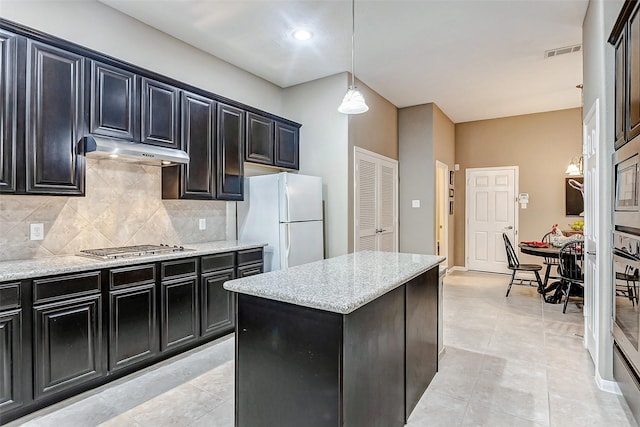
[{"x": 288, "y": 240}]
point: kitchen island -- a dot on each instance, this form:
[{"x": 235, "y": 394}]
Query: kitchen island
[{"x": 347, "y": 341}]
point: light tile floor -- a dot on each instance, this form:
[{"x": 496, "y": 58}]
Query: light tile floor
[{"x": 508, "y": 362}]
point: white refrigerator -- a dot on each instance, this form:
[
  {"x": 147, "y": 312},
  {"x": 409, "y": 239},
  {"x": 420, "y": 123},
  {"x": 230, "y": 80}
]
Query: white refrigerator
[{"x": 285, "y": 211}]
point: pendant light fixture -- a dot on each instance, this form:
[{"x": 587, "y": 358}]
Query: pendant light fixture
[{"x": 353, "y": 102}]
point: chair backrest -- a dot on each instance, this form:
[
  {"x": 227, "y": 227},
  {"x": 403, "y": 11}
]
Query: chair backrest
[
  {"x": 571, "y": 261},
  {"x": 512, "y": 258},
  {"x": 547, "y": 239}
]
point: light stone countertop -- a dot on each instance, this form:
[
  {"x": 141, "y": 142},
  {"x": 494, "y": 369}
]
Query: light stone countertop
[
  {"x": 341, "y": 284},
  {"x": 39, "y": 267}
]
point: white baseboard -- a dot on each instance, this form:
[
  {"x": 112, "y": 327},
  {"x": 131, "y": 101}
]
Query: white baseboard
[
  {"x": 457, "y": 268},
  {"x": 606, "y": 385},
  {"x": 441, "y": 354}
]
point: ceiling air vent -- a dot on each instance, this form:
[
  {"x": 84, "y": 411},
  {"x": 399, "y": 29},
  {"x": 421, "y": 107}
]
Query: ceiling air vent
[{"x": 562, "y": 50}]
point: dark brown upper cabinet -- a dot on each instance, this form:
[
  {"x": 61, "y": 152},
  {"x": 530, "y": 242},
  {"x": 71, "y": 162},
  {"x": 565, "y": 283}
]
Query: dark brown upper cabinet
[
  {"x": 54, "y": 121},
  {"x": 160, "y": 114},
  {"x": 633, "y": 75},
  {"x": 197, "y": 179},
  {"x": 115, "y": 108},
  {"x": 8, "y": 106},
  {"x": 260, "y": 135},
  {"x": 620, "y": 86},
  {"x": 230, "y": 145},
  {"x": 287, "y": 146}
]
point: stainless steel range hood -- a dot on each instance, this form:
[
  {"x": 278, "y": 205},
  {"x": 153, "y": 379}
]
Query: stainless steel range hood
[{"x": 101, "y": 147}]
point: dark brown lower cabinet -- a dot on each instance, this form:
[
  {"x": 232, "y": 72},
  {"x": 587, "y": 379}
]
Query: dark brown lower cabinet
[
  {"x": 217, "y": 304},
  {"x": 67, "y": 344},
  {"x": 179, "y": 319},
  {"x": 133, "y": 331},
  {"x": 10, "y": 360}
]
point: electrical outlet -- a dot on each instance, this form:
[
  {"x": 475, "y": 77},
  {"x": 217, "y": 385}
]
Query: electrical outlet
[
  {"x": 37, "y": 231},
  {"x": 202, "y": 224},
  {"x": 415, "y": 203}
]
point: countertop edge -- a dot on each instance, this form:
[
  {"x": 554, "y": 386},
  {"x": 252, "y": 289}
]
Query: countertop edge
[{"x": 50, "y": 266}]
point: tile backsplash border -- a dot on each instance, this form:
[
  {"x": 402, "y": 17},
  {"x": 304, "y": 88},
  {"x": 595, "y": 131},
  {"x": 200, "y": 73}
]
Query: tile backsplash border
[{"x": 123, "y": 206}]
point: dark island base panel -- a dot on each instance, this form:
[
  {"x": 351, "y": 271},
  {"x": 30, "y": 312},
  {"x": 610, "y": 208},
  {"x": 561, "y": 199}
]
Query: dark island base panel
[{"x": 301, "y": 366}]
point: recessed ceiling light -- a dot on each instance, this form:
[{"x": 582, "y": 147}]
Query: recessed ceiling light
[{"x": 302, "y": 35}]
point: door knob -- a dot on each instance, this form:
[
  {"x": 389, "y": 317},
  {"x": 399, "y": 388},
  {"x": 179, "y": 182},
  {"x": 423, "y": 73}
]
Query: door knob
[{"x": 509, "y": 227}]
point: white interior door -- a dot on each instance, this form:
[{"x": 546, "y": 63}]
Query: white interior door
[
  {"x": 491, "y": 210},
  {"x": 375, "y": 202},
  {"x": 591, "y": 203}
]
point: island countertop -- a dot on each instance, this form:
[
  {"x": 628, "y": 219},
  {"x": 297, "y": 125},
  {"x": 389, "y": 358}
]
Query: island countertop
[
  {"x": 30, "y": 268},
  {"x": 341, "y": 284}
]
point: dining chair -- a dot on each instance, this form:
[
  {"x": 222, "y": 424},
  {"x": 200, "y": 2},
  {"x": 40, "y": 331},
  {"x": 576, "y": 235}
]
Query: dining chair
[
  {"x": 515, "y": 266},
  {"x": 571, "y": 271},
  {"x": 550, "y": 262}
]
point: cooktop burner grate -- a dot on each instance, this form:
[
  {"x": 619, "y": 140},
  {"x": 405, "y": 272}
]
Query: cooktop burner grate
[{"x": 130, "y": 251}]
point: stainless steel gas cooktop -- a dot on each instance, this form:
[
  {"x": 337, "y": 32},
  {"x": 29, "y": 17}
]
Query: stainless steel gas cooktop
[{"x": 130, "y": 251}]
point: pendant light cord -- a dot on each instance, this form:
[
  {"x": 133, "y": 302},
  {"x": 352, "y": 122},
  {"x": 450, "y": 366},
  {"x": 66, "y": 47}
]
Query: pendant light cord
[{"x": 353, "y": 44}]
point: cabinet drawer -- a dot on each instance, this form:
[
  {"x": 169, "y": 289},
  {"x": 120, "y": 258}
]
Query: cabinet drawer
[
  {"x": 249, "y": 256},
  {"x": 9, "y": 295},
  {"x": 63, "y": 286},
  {"x": 250, "y": 270},
  {"x": 132, "y": 276},
  {"x": 179, "y": 268},
  {"x": 218, "y": 262}
]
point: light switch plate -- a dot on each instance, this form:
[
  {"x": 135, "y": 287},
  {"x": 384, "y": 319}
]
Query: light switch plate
[
  {"x": 36, "y": 231},
  {"x": 415, "y": 203},
  {"x": 202, "y": 224}
]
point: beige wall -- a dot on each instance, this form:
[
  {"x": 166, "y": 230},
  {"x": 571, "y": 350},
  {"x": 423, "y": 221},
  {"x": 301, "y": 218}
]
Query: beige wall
[
  {"x": 376, "y": 131},
  {"x": 444, "y": 149},
  {"x": 542, "y": 145},
  {"x": 417, "y": 179},
  {"x": 426, "y": 134}
]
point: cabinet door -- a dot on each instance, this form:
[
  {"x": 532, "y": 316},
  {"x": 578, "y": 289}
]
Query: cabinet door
[
  {"x": 67, "y": 344},
  {"x": 620, "y": 92},
  {"x": 8, "y": 88},
  {"x": 260, "y": 135},
  {"x": 114, "y": 102},
  {"x": 286, "y": 152},
  {"x": 179, "y": 317},
  {"x": 217, "y": 304},
  {"x": 133, "y": 328},
  {"x": 230, "y": 143},
  {"x": 159, "y": 114},
  {"x": 54, "y": 121},
  {"x": 10, "y": 360},
  {"x": 633, "y": 75},
  {"x": 198, "y": 118}
]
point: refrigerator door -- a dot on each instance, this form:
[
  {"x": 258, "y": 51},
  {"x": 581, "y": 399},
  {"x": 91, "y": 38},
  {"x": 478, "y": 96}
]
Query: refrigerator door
[
  {"x": 300, "y": 243},
  {"x": 300, "y": 197}
]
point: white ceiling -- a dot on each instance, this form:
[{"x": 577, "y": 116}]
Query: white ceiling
[{"x": 476, "y": 59}]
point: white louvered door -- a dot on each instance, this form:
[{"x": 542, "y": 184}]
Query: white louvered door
[{"x": 376, "y": 202}]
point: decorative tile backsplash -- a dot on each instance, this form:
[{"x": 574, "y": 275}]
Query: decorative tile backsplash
[{"x": 123, "y": 206}]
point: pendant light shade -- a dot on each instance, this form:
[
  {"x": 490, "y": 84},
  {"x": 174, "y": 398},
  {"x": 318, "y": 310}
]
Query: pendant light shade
[{"x": 353, "y": 101}]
